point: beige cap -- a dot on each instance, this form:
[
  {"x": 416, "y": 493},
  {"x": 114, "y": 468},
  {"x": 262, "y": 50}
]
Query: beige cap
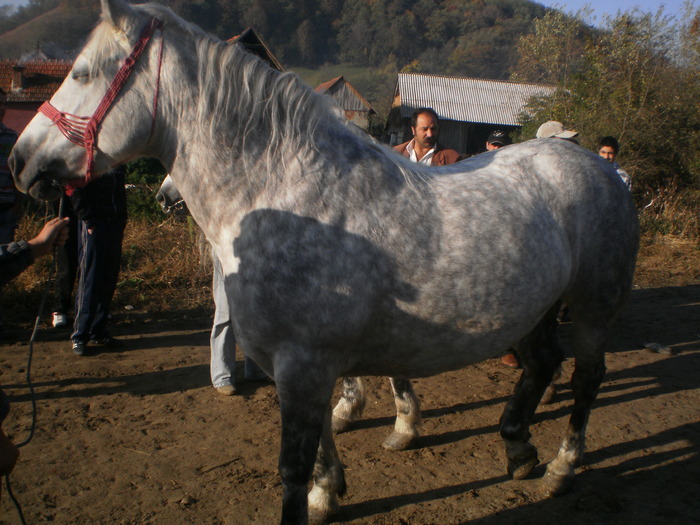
[{"x": 555, "y": 129}]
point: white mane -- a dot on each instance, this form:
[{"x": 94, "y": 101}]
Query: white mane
[{"x": 241, "y": 100}]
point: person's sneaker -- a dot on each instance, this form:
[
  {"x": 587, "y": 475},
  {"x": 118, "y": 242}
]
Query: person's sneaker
[
  {"x": 79, "y": 348},
  {"x": 59, "y": 320},
  {"x": 226, "y": 390},
  {"x": 108, "y": 341}
]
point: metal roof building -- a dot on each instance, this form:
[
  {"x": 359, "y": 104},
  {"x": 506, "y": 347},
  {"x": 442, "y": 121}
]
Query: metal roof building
[{"x": 469, "y": 108}]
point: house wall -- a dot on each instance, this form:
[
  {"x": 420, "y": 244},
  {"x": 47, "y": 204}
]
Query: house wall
[{"x": 18, "y": 115}]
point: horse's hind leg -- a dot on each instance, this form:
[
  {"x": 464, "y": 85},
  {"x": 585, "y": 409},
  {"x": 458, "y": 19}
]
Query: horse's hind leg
[
  {"x": 407, "y": 416},
  {"x": 329, "y": 479},
  {"x": 589, "y": 340},
  {"x": 540, "y": 355},
  {"x": 350, "y": 405},
  {"x": 304, "y": 389}
]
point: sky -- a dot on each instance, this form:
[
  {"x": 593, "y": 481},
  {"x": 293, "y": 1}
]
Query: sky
[
  {"x": 14, "y": 2},
  {"x": 606, "y": 7}
]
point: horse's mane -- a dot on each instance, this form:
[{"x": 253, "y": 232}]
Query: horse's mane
[
  {"x": 270, "y": 115},
  {"x": 274, "y": 113}
]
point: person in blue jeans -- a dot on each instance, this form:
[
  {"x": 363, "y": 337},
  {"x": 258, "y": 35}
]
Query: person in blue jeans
[
  {"x": 223, "y": 341},
  {"x": 101, "y": 211}
]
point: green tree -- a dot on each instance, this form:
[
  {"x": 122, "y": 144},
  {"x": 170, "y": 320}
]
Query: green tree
[{"x": 630, "y": 80}]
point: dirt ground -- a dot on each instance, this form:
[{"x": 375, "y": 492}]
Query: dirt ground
[{"x": 139, "y": 436}]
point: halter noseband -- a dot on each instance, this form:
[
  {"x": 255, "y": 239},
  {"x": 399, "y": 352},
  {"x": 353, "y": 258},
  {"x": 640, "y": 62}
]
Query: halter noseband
[{"x": 83, "y": 130}]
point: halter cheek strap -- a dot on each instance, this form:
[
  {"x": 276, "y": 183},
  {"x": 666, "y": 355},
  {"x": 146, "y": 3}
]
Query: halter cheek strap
[{"x": 83, "y": 130}]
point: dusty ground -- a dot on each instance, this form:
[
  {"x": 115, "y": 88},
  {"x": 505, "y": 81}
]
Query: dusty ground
[{"x": 139, "y": 436}]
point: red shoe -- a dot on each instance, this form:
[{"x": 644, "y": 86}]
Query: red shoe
[{"x": 510, "y": 360}]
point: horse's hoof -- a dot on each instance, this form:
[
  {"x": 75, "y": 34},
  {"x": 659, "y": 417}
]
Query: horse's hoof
[
  {"x": 339, "y": 425},
  {"x": 520, "y": 466},
  {"x": 398, "y": 441},
  {"x": 556, "y": 484}
]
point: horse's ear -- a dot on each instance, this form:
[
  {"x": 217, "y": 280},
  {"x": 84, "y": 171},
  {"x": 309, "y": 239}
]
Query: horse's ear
[{"x": 117, "y": 12}]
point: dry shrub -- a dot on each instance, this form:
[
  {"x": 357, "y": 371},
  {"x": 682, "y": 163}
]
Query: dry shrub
[
  {"x": 670, "y": 211},
  {"x": 162, "y": 267},
  {"x": 161, "y": 273}
]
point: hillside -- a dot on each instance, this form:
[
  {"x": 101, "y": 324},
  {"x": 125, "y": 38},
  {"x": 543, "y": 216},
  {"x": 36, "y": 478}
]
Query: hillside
[
  {"x": 60, "y": 31},
  {"x": 463, "y": 37}
]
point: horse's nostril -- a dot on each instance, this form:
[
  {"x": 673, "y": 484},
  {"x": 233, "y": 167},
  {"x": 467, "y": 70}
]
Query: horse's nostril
[{"x": 160, "y": 198}]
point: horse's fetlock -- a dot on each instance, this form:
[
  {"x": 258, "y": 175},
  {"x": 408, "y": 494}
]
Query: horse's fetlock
[{"x": 322, "y": 505}]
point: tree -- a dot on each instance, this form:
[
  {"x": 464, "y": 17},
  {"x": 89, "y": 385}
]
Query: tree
[{"x": 629, "y": 80}]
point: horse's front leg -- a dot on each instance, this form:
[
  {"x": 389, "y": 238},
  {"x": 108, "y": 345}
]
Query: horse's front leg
[
  {"x": 304, "y": 388},
  {"x": 541, "y": 356},
  {"x": 350, "y": 405},
  {"x": 407, "y": 416},
  {"x": 329, "y": 480}
]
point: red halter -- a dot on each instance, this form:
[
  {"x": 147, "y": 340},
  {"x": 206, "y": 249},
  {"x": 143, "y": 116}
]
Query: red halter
[{"x": 83, "y": 130}]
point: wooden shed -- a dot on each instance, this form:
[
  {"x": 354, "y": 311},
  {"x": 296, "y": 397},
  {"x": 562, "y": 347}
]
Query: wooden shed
[
  {"x": 253, "y": 43},
  {"x": 356, "y": 108},
  {"x": 469, "y": 108}
]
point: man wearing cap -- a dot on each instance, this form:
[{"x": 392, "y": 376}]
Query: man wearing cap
[
  {"x": 424, "y": 148},
  {"x": 556, "y": 129},
  {"x": 497, "y": 139}
]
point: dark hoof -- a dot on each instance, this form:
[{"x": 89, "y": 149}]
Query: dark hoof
[
  {"x": 339, "y": 425},
  {"x": 398, "y": 441},
  {"x": 520, "y": 466}
]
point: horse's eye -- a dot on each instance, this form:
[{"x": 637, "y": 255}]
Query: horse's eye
[{"x": 80, "y": 75}]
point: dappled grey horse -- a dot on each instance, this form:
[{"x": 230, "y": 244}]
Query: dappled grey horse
[
  {"x": 352, "y": 399},
  {"x": 342, "y": 258}
]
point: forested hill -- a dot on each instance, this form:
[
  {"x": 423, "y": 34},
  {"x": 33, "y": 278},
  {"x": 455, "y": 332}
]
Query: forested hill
[{"x": 465, "y": 37}]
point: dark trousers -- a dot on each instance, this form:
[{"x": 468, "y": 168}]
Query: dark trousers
[
  {"x": 66, "y": 269},
  {"x": 98, "y": 266}
]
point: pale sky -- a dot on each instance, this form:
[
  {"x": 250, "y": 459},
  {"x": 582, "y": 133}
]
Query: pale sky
[
  {"x": 14, "y": 2},
  {"x": 606, "y": 7}
]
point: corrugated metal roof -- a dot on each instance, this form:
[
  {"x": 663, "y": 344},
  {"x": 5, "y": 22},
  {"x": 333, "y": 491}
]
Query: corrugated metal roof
[{"x": 467, "y": 99}]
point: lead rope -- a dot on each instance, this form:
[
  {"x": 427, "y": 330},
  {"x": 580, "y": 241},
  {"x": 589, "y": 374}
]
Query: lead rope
[{"x": 32, "y": 396}]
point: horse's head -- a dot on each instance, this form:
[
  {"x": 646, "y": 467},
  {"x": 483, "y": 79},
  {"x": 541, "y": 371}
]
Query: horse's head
[
  {"x": 94, "y": 121},
  {"x": 169, "y": 198}
]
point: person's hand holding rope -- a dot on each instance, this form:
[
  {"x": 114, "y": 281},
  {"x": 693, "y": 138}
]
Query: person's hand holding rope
[{"x": 54, "y": 234}]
